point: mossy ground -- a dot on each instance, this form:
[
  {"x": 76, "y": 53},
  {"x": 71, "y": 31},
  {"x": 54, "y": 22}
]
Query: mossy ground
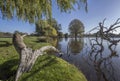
[{"x": 47, "y": 67}]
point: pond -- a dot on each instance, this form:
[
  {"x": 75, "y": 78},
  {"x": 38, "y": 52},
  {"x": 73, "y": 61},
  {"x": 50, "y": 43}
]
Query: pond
[{"x": 98, "y": 60}]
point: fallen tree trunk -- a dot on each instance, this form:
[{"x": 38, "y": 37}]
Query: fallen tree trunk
[{"x": 27, "y": 55}]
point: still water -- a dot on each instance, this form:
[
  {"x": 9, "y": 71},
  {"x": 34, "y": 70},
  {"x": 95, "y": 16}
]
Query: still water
[{"x": 98, "y": 60}]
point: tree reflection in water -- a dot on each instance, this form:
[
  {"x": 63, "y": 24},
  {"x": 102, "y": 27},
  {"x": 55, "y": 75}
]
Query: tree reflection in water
[
  {"x": 102, "y": 63},
  {"x": 75, "y": 46}
]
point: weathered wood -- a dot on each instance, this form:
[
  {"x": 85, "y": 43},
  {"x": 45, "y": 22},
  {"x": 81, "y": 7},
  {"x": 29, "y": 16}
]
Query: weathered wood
[
  {"x": 27, "y": 55},
  {"x": 105, "y": 32},
  {"x": 18, "y": 42}
]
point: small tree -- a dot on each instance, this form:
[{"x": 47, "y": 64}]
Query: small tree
[
  {"x": 40, "y": 27},
  {"x": 43, "y": 28},
  {"x": 53, "y": 22},
  {"x": 76, "y": 27}
]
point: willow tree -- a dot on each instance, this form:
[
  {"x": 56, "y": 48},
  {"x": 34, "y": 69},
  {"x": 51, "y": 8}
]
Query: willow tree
[{"x": 32, "y": 10}]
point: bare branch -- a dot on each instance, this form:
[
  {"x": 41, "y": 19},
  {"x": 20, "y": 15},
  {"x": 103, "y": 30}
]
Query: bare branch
[
  {"x": 103, "y": 21},
  {"x": 104, "y": 32}
]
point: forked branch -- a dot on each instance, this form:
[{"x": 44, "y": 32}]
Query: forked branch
[{"x": 27, "y": 55}]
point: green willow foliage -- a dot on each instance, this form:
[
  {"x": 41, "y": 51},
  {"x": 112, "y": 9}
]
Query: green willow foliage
[
  {"x": 43, "y": 28},
  {"x": 32, "y": 10},
  {"x": 53, "y": 22}
]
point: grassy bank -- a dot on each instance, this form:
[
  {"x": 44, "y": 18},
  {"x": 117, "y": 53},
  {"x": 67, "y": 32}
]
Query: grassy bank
[{"x": 47, "y": 67}]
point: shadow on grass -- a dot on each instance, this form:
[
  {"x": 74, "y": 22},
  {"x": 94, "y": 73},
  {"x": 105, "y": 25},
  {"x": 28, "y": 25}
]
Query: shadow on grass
[
  {"x": 5, "y": 44},
  {"x": 40, "y": 64},
  {"x": 8, "y": 69}
]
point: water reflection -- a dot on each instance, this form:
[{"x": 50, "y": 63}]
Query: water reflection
[
  {"x": 66, "y": 39},
  {"x": 97, "y": 58},
  {"x": 75, "y": 46},
  {"x": 102, "y": 64}
]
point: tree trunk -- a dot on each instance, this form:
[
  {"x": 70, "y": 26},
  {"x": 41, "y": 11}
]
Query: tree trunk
[
  {"x": 27, "y": 55},
  {"x": 75, "y": 36}
]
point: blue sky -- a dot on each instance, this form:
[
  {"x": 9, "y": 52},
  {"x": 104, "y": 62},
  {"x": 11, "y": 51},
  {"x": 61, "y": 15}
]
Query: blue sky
[{"x": 97, "y": 11}]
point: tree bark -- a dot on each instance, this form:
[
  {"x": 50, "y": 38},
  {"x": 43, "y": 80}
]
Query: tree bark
[
  {"x": 27, "y": 55},
  {"x": 75, "y": 36}
]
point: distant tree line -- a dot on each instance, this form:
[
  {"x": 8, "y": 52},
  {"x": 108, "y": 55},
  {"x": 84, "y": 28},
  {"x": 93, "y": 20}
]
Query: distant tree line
[
  {"x": 6, "y": 34},
  {"x": 94, "y": 35},
  {"x": 9, "y": 34},
  {"x": 66, "y": 35}
]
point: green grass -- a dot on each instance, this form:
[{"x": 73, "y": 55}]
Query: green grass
[
  {"x": 47, "y": 67},
  {"x": 33, "y": 43},
  {"x": 8, "y": 59}
]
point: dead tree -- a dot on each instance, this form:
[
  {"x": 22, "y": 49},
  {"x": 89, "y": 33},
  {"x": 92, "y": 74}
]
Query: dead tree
[
  {"x": 96, "y": 53},
  {"x": 27, "y": 55},
  {"x": 105, "y": 32}
]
